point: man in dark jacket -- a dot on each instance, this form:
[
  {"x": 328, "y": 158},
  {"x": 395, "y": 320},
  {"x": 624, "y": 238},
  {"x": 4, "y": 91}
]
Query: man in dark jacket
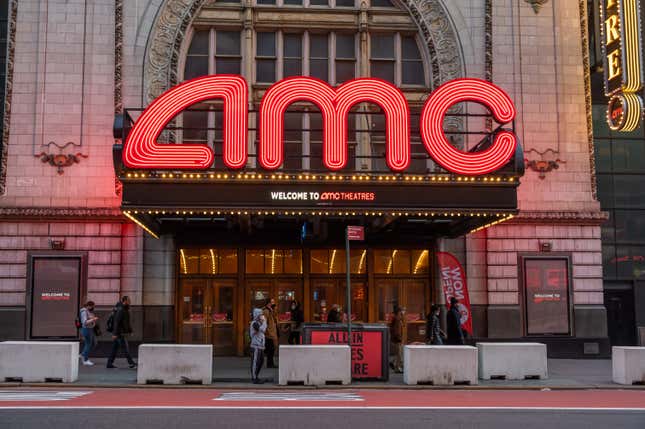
[
  {"x": 120, "y": 329},
  {"x": 455, "y": 332},
  {"x": 297, "y": 318},
  {"x": 334, "y": 315}
]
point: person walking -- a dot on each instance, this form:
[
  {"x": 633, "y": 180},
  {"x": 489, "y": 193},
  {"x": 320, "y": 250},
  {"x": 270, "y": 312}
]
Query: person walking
[
  {"x": 271, "y": 332},
  {"x": 88, "y": 324},
  {"x": 455, "y": 332},
  {"x": 256, "y": 332},
  {"x": 397, "y": 334},
  {"x": 297, "y": 318},
  {"x": 334, "y": 315},
  {"x": 434, "y": 334},
  {"x": 120, "y": 329}
]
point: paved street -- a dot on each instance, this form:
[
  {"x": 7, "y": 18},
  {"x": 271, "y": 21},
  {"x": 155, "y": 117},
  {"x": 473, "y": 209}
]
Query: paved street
[{"x": 169, "y": 408}]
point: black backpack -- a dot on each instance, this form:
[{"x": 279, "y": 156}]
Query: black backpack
[{"x": 109, "y": 324}]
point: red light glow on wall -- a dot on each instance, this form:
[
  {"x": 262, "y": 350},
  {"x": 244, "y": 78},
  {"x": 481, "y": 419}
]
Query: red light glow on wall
[
  {"x": 440, "y": 149},
  {"x": 335, "y": 106},
  {"x": 141, "y": 149}
]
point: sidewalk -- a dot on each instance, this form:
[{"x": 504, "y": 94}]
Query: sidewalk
[{"x": 233, "y": 373}]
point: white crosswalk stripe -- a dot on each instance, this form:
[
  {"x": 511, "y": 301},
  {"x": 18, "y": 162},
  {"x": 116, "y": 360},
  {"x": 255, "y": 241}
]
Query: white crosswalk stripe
[
  {"x": 38, "y": 396},
  {"x": 289, "y": 396}
]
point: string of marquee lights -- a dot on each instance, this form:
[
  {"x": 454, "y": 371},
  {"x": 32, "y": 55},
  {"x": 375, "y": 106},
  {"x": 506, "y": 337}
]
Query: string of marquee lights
[
  {"x": 440, "y": 149},
  {"x": 141, "y": 149},
  {"x": 334, "y": 105},
  {"x": 313, "y": 212}
]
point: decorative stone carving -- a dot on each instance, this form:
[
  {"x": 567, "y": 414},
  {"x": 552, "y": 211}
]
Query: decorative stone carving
[
  {"x": 584, "y": 39},
  {"x": 547, "y": 161},
  {"x": 6, "y": 120},
  {"x": 536, "y": 4},
  {"x": 60, "y": 160},
  {"x": 84, "y": 213}
]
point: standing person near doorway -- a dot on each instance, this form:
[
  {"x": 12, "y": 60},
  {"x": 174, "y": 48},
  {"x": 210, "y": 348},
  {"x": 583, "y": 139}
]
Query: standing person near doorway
[
  {"x": 269, "y": 313},
  {"x": 256, "y": 332},
  {"x": 334, "y": 315},
  {"x": 297, "y": 318},
  {"x": 455, "y": 332},
  {"x": 120, "y": 329},
  {"x": 397, "y": 334},
  {"x": 88, "y": 324},
  {"x": 434, "y": 334}
]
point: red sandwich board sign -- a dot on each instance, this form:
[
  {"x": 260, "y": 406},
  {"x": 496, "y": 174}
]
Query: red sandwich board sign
[{"x": 355, "y": 233}]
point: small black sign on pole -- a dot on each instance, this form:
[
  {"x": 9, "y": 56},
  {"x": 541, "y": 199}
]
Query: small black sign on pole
[{"x": 354, "y": 233}]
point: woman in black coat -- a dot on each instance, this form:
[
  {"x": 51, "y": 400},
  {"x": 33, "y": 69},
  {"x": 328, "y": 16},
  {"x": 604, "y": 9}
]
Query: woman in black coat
[{"x": 297, "y": 319}]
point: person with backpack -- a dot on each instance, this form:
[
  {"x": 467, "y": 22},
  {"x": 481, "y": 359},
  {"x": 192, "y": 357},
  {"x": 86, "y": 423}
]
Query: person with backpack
[
  {"x": 88, "y": 324},
  {"x": 256, "y": 332},
  {"x": 119, "y": 325}
]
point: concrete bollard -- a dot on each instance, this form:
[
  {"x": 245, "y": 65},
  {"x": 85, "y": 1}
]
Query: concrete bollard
[
  {"x": 628, "y": 365},
  {"x": 439, "y": 365},
  {"x": 315, "y": 365},
  {"x": 39, "y": 361},
  {"x": 175, "y": 364},
  {"x": 512, "y": 361}
]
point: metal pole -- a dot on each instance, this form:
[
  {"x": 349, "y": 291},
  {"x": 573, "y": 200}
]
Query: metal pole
[{"x": 348, "y": 305}]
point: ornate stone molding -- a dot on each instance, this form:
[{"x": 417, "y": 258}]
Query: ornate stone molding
[
  {"x": 118, "y": 72},
  {"x": 6, "y": 120},
  {"x": 536, "y": 4},
  {"x": 174, "y": 17},
  {"x": 586, "y": 64},
  {"x": 488, "y": 46},
  {"x": 55, "y": 213},
  {"x": 545, "y": 162},
  {"x": 60, "y": 160},
  {"x": 566, "y": 217}
]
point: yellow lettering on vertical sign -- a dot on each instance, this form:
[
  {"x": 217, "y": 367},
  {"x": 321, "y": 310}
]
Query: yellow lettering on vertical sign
[
  {"x": 613, "y": 61},
  {"x": 611, "y": 29},
  {"x": 611, "y": 3}
]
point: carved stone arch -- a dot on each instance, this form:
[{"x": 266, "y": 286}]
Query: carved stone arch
[{"x": 174, "y": 17}]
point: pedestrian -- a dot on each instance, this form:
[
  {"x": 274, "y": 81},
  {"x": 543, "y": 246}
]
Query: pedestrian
[
  {"x": 434, "y": 334},
  {"x": 455, "y": 331},
  {"x": 334, "y": 315},
  {"x": 271, "y": 342},
  {"x": 256, "y": 332},
  {"x": 297, "y": 318},
  {"x": 397, "y": 334},
  {"x": 88, "y": 323},
  {"x": 120, "y": 329}
]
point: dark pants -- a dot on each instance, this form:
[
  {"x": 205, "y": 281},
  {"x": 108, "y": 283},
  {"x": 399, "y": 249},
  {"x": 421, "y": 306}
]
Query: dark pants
[
  {"x": 257, "y": 358},
  {"x": 294, "y": 337},
  {"x": 270, "y": 351},
  {"x": 116, "y": 344}
]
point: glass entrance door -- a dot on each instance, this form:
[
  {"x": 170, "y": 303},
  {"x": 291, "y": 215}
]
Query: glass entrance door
[
  {"x": 208, "y": 314},
  {"x": 327, "y": 292},
  {"x": 283, "y": 290}
]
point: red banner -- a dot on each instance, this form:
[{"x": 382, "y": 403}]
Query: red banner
[{"x": 453, "y": 282}]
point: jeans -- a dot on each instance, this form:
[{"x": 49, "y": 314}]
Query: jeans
[
  {"x": 116, "y": 344},
  {"x": 89, "y": 340}
]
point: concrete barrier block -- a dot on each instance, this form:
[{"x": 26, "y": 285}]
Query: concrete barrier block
[
  {"x": 39, "y": 361},
  {"x": 439, "y": 365},
  {"x": 628, "y": 365},
  {"x": 512, "y": 361},
  {"x": 175, "y": 364},
  {"x": 315, "y": 365}
]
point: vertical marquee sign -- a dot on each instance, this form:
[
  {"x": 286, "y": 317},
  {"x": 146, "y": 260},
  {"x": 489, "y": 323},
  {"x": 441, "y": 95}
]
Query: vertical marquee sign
[{"x": 620, "y": 22}]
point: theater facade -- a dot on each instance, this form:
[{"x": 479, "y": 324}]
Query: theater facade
[{"x": 204, "y": 156}]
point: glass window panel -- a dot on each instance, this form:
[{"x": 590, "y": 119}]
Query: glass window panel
[
  {"x": 255, "y": 261},
  {"x": 388, "y": 298},
  {"x": 208, "y": 261},
  {"x": 412, "y": 73},
  {"x": 189, "y": 261},
  {"x": 602, "y": 152},
  {"x": 293, "y": 45},
  {"x": 624, "y": 265},
  {"x": 337, "y": 261},
  {"x": 600, "y": 127},
  {"x": 293, "y": 261},
  {"x": 547, "y": 296},
  {"x": 292, "y": 67},
  {"x": 195, "y": 67},
  {"x": 266, "y": 44},
  {"x": 609, "y": 261},
  {"x": 382, "y": 70},
  {"x": 382, "y": 261},
  {"x": 629, "y": 191},
  {"x": 359, "y": 301},
  {"x": 637, "y": 254},
  {"x": 318, "y": 69},
  {"x": 266, "y": 1},
  {"x": 605, "y": 190},
  {"x": 318, "y": 46},
  {"x": 265, "y": 70},
  {"x": 345, "y": 3},
  {"x": 627, "y": 155},
  {"x": 415, "y": 300},
  {"x": 227, "y": 261},
  {"x": 273, "y": 261},
  {"x": 224, "y": 305},
  {"x": 219, "y": 126},
  {"x": 420, "y": 261},
  {"x": 381, "y": 3},
  {"x": 382, "y": 46},
  {"x": 345, "y": 46},
  {"x": 228, "y": 43},
  {"x": 293, "y": 126},
  {"x": 192, "y": 307},
  {"x": 199, "y": 44},
  {"x": 608, "y": 229},
  {"x": 195, "y": 124},
  {"x": 319, "y": 261},
  {"x": 319, "y": 2},
  {"x": 315, "y": 146},
  {"x": 409, "y": 48},
  {"x": 630, "y": 225},
  {"x": 293, "y": 2},
  {"x": 227, "y": 66},
  {"x": 358, "y": 261},
  {"x": 401, "y": 262},
  {"x": 324, "y": 296},
  {"x": 345, "y": 70}
]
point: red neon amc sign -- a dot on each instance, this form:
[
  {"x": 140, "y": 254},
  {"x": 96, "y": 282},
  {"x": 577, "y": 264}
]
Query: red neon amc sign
[{"x": 142, "y": 151}]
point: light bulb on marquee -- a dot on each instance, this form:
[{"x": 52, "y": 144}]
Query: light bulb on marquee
[{"x": 141, "y": 149}]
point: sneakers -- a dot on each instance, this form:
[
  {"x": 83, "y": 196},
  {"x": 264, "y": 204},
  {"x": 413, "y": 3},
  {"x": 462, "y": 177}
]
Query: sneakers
[
  {"x": 111, "y": 366},
  {"x": 258, "y": 381},
  {"x": 88, "y": 363}
]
